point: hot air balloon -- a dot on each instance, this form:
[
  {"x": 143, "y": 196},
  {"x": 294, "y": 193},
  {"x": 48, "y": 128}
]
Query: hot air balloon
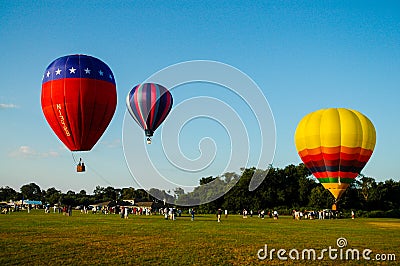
[
  {"x": 335, "y": 144},
  {"x": 149, "y": 104},
  {"x": 78, "y": 100}
]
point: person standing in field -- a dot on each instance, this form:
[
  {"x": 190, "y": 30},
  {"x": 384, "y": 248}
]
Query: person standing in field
[
  {"x": 192, "y": 213},
  {"x": 226, "y": 213},
  {"x": 170, "y": 215},
  {"x": 126, "y": 213},
  {"x": 352, "y": 215},
  {"x": 219, "y": 213},
  {"x": 166, "y": 213}
]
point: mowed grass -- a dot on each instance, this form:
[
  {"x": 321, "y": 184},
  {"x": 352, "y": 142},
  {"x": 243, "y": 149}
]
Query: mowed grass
[{"x": 87, "y": 239}]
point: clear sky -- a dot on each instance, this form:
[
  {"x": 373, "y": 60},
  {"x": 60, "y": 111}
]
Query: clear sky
[{"x": 303, "y": 55}]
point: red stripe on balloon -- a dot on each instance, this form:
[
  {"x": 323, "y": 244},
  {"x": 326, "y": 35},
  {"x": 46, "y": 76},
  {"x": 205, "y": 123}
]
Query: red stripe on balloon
[
  {"x": 153, "y": 103},
  {"x": 137, "y": 103}
]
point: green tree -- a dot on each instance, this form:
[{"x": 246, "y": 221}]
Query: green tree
[
  {"x": 99, "y": 193},
  {"x": 7, "y": 194},
  {"x": 320, "y": 198},
  {"x": 178, "y": 192},
  {"x": 161, "y": 195},
  {"x": 142, "y": 195},
  {"x": 389, "y": 191},
  {"x": 367, "y": 185},
  {"x": 52, "y": 196},
  {"x": 351, "y": 198},
  {"x": 206, "y": 180},
  {"x": 128, "y": 193},
  {"x": 239, "y": 197},
  {"x": 31, "y": 191},
  {"x": 110, "y": 193}
]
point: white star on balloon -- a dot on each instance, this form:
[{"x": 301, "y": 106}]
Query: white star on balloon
[
  {"x": 87, "y": 71},
  {"x": 58, "y": 71},
  {"x": 101, "y": 73},
  {"x": 48, "y": 74},
  {"x": 72, "y": 70}
]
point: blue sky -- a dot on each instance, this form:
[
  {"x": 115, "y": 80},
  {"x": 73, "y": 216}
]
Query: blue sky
[{"x": 304, "y": 56}]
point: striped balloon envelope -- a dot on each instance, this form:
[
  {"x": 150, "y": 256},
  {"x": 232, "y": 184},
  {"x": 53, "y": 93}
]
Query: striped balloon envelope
[
  {"x": 335, "y": 144},
  {"x": 78, "y": 99},
  {"x": 149, "y": 104}
]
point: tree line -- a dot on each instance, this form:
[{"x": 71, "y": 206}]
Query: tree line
[{"x": 291, "y": 187}]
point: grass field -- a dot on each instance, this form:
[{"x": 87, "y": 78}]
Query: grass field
[{"x": 95, "y": 239}]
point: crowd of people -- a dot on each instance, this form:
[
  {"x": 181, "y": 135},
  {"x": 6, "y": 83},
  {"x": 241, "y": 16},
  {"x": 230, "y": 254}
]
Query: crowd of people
[
  {"x": 261, "y": 214},
  {"x": 171, "y": 213},
  {"x": 297, "y": 214},
  {"x": 320, "y": 215},
  {"x": 124, "y": 211}
]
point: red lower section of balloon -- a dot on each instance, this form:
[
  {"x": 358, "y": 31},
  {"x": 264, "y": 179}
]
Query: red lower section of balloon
[
  {"x": 78, "y": 110},
  {"x": 343, "y": 162}
]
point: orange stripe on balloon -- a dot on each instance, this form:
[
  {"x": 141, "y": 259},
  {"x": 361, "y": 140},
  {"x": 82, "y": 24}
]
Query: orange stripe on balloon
[
  {"x": 335, "y": 150},
  {"x": 337, "y": 174}
]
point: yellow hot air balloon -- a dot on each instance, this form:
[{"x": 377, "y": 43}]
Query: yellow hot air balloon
[{"x": 335, "y": 144}]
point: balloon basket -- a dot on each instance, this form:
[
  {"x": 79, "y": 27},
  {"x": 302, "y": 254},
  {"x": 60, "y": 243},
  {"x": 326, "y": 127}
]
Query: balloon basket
[{"x": 81, "y": 166}]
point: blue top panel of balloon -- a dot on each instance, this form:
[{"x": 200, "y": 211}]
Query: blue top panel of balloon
[{"x": 78, "y": 66}]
